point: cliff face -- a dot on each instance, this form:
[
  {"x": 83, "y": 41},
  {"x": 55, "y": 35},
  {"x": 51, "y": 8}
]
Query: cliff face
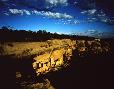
[
  {"x": 52, "y": 54},
  {"x": 61, "y": 56},
  {"x": 37, "y": 58},
  {"x": 46, "y": 56},
  {"x": 52, "y": 61}
]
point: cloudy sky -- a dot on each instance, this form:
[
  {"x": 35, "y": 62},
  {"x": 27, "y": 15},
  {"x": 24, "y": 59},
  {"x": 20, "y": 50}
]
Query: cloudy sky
[{"x": 81, "y": 17}]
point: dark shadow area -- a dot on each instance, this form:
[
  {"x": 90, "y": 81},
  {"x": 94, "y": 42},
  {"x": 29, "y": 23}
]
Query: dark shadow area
[
  {"x": 24, "y": 66},
  {"x": 9, "y": 66},
  {"x": 7, "y": 72},
  {"x": 93, "y": 72}
]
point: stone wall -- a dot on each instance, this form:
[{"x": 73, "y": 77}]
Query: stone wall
[{"x": 52, "y": 61}]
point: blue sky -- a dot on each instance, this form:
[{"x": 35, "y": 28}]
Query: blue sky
[{"x": 82, "y": 17}]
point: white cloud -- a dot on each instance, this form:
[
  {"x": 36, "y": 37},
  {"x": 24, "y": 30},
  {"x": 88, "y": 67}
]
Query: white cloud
[
  {"x": 73, "y": 22},
  {"x": 92, "y": 11},
  {"x": 89, "y": 12},
  {"x": 97, "y": 33},
  {"x": 91, "y": 19},
  {"x": 56, "y": 2},
  {"x": 84, "y": 12},
  {"x": 6, "y": 14},
  {"x": 16, "y": 11},
  {"x": 91, "y": 30},
  {"x": 70, "y": 21},
  {"x": 76, "y": 22},
  {"x": 20, "y": 12},
  {"x": 104, "y": 20},
  {"x": 43, "y": 13},
  {"x": 98, "y": 15},
  {"x": 27, "y": 12},
  {"x": 75, "y": 2},
  {"x": 52, "y": 14}
]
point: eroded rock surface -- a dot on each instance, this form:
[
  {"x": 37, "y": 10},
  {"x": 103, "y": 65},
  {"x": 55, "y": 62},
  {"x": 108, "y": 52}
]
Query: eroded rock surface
[
  {"x": 52, "y": 55},
  {"x": 51, "y": 61}
]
